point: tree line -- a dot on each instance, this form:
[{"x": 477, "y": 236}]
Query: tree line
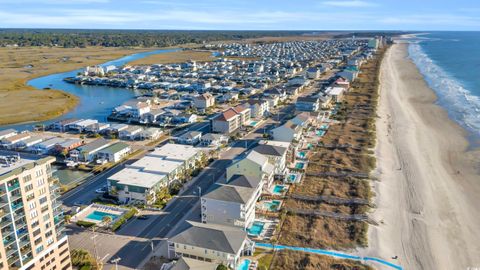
[{"x": 124, "y": 38}]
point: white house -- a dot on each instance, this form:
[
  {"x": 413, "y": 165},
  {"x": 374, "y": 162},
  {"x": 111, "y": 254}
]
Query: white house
[
  {"x": 114, "y": 152},
  {"x": 287, "y": 132}
]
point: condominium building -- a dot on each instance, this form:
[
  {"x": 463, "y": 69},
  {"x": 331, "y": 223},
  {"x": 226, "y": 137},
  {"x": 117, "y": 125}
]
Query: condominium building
[{"x": 31, "y": 218}]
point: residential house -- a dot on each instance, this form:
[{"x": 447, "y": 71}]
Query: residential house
[
  {"x": 185, "y": 263},
  {"x": 130, "y": 133},
  {"x": 204, "y": 101},
  {"x": 150, "y": 133},
  {"x": 287, "y": 132},
  {"x": 309, "y": 104},
  {"x": 258, "y": 108},
  {"x": 67, "y": 145},
  {"x": 226, "y": 122},
  {"x": 253, "y": 165},
  {"x": 80, "y": 126},
  {"x": 313, "y": 73},
  {"x": 7, "y": 133},
  {"x": 114, "y": 152},
  {"x": 212, "y": 139},
  {"x": 232, "y": 203},
  {"x": 211, "y": 243},
  {"x": 88, "y": 152},
  {"x": 277, "y": 155},
  {"x": 190, "y": 137},
  {"x": 335, "y": 92},
  {"x": 13, "y": 141},
  {"x": 46, "y": 146}
]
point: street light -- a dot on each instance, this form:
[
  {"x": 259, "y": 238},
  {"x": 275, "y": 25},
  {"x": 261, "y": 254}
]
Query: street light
[{"x": 115, "y": 261}]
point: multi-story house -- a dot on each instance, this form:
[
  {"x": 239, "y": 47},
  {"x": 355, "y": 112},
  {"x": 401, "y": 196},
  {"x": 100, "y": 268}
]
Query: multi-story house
[
  {"x": 212, "y": 243},
  {"x": 253, "y": 165},
  {"x": 226, "y": 122},
  {"x": 204, "y": 101},
  {"x": 233, "y": 202},
  {"x": 31, "y": 217}
]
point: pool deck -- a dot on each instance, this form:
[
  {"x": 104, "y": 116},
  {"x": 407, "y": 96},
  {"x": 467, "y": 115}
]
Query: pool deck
[{"x": 82, "y": 215}]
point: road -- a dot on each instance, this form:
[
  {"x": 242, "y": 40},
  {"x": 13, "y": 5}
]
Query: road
[{"x": 134, "y": 242}]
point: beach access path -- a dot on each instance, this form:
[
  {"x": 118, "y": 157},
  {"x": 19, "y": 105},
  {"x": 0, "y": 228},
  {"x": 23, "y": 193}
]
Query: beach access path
[{"x": 427, "y": 194}]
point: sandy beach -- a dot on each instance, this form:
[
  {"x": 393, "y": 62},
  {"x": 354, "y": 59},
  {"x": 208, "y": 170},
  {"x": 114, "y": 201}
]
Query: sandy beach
[{"x": 427, "y": 195}]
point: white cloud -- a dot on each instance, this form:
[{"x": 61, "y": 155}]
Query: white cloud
[{"x": 352, "y": 3}]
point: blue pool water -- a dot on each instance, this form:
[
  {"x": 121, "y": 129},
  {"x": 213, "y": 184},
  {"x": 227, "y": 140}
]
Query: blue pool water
[
  {"x": 320, "y": 133},
  {"x": 324, "y": 127},
  {"x": 299, "y": 165},
  {"x": 98, "y": 215},
  {"x": 292, "y": 178},
  {"x": 273, "y": 205},
  {"x": 278, "y": 189},
  {"x": 244, "y": 265},
  {"x": 301, "y": 154},
  {"x": 253, "y": 123},
  {"x": 256, "y": 228}
]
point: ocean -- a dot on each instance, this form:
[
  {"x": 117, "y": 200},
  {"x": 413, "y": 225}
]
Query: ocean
[{"x": 450, "y": 63}]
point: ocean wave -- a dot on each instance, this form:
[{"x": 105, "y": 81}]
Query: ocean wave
[{"x": 461, "y": 104}]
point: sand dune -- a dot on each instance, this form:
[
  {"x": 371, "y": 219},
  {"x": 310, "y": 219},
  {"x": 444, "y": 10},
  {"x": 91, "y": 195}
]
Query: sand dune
[{"x": 429, "y": 192}]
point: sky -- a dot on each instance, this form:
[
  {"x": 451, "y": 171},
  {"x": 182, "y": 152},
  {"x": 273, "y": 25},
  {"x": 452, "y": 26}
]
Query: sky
[{"x": 243, "y": 14}]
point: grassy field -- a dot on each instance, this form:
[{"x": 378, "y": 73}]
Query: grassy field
[
  {"x": 21, "y": 103},
  {"x": 356, "y": 127},
  {"x": 293, "y": 260}
]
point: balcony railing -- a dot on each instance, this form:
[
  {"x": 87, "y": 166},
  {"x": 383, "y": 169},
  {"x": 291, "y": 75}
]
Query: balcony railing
[
  {"x": 17, "y": 206},
  {"x": 14, "y": 187}
]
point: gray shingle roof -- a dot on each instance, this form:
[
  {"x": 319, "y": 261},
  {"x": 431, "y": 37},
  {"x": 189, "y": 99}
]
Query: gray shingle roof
[
  {"x": 270, "y": 150},
  {"x": 230, "y": 193},
  {"x": 244, "y": 181},
  {"x": 221, "y": 238}
]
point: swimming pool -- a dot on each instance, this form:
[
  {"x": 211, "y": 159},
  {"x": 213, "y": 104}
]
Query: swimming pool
[
  {"x": 324, "y": 126},
  {"x": 253, "y": 123},
  {"x": 292, "y": 178},
  {"x": 272, "y": 205},
  {"x": 299, "y": 165},
  {"x": 301, "y": 154},
  {"x": 320, "y": 133},
  {"x": 278, "y": 189},
  {"x": 244, "y": 265},
  {"x": 309, "y": 146},
  {"x": 256, "y": 229},
  {"x": 99, "y": 215}
]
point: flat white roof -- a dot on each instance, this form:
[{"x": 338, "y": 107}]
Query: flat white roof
[
  {"x": 136, "y": 177},
  {"x": 175, "y": 151},
  {"x": 334, "y": 91},
  {"x": 155, "y": 165},
  {"x": 86, "y": 122}
]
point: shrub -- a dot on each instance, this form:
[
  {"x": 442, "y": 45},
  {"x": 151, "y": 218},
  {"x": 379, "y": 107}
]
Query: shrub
[
  {"x": 85, "y": 224},
  {"x": 115, "y": 226},
  {"x": 221, "y": 267}
]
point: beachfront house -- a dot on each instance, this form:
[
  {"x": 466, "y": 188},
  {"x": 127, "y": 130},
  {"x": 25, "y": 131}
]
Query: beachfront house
[
  {"x": 190, "y": 137},
  {"x": 307, "y": 104},
  {"x": 287, "y": 132},
  {"x": 253, "y": 165},
  {"x": 211, "y": 243},
  {"x": 277, "y": 155},
  {"x": 258, "y": 108},
  {"x": 232, "y": 203}
]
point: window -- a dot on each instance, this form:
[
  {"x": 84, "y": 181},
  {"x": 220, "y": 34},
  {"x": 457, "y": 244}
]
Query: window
[
  {"x": 33, "y": 214},
  {"x": 35, "y": 224},
  {"x": 27, "y": 178},
  {"x": 42, "y": 191},
  {"x": 30, "y": 197},
  {"x": 36, "y": 232},
  {"x": 40, "y": 182},
  {"x": 38, "y": 240},
  {"x": 49, "y": 241},
  {"x": 46, "y": 217},
  {"x": 48, "y": 234},
  {"x": 206, "y": 251},
  {"x": 48, "y": 225},
  {"x": 32, "y": 205},
  {"x": 28, "y": 187},
  {"x": 43, "y": 200},
  {"x": 39, "y": 249}
]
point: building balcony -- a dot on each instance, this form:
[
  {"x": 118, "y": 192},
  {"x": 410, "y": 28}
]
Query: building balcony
[
  {"x": 5, "y": 222},
  {"x": 12, "y": 252},
  {"x": 17, "y": 206},
  {"x": 14, "y": 187}
]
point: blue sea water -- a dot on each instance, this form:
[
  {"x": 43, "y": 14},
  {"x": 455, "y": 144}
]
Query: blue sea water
[{"x": 450, "y": 63}]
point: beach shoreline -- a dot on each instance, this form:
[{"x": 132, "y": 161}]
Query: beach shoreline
[{"x": 426, "y": 195}]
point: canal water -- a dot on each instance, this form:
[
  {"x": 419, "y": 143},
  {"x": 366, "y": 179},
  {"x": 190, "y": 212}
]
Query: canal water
[{"x": 96, "y": 102}]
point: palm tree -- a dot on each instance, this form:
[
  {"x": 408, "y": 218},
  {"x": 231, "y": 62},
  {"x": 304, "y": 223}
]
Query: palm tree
[{"x": 107, "y": 220}]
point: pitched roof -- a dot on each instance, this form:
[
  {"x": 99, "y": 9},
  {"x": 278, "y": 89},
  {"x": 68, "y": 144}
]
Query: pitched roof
[
  {"x": 257, "y": 158},
  {"x": 244, "y": 181},
  {"x": 216, "y": 237},
  {"x": 226, "y": 115},
  {"x": 270, "y": 150},
  {"x": 185, "y": 263},
  {"x": 230, "y": 193}
]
